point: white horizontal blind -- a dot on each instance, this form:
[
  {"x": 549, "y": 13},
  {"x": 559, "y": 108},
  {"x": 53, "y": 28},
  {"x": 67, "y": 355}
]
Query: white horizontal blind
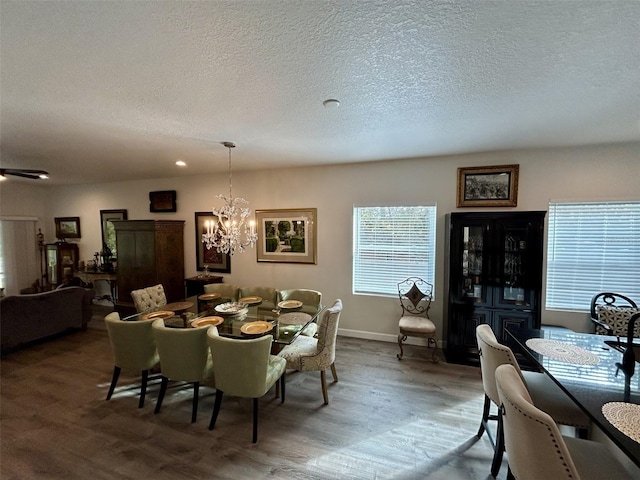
[
  {"x": 592, "y": 248},
  {"x": 391, "y": 244}
]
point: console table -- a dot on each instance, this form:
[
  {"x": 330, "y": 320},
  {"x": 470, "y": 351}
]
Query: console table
[
  {"x": 195, "y": 285},
  {"x": 111, "y": 278}
]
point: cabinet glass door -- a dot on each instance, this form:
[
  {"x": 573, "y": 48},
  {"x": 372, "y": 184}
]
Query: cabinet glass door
[
  {"x": 514, "y": 270},
  {"x": 52, "y": 264},
  {"x": 473, "y": 258}
]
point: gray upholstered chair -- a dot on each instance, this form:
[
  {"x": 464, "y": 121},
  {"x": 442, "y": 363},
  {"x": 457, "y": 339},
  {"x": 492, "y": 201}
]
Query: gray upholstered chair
[
  {"x": 610, "y": 313},
  {"x": 227, "y": 291},
  {"x": 309, "y": 298},
  {"x": 307, "y": 354},
  {"x": 547, "y": 395},
  {"x": 184, "y": 356},
  {"x": 415, "y": 300},
  {"x": 134, "y": 349},
  {"x": 269, "y": 295},
  {"x": 149, "y": 299},
  {"x": 536, "y": 448},
  {"x": 244, "y": 368}
]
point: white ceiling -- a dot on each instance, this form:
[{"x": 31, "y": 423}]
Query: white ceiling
[{"x": 96, "y": 91}]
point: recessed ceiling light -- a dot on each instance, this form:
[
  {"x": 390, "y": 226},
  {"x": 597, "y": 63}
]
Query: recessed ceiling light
[
  {"x": 181, "y": 163},
  {"x": 331, "y": 103}
]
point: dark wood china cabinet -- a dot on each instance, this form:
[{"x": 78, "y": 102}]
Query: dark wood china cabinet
[{"x": 493, "y": 275}]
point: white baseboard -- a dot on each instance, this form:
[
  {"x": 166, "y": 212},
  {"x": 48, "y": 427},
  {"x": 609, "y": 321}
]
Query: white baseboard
[{"x": 383, "y": 337}]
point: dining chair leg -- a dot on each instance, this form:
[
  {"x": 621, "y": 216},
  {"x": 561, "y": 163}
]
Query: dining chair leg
[
  {"x": 163, "y": 390},
  {"x": 323, "y": 380},
  {"x": 282, "y": 384},
  {"x": 216, "y": 409},
  {"x": 143, "y": 387},
  {"x": 194, "y": 408},
  {"x": 499, "y": 449},
  {"x": 401, "y": 338},
  {"x": 333, "y": 372},
  {"x": 114, "y": 381},
  {"x": 255, "y": 420},
  {"x": 485, "y": 416}
]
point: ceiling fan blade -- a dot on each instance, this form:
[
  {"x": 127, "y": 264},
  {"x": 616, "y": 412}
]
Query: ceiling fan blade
[{"x": 25, "y": 173}]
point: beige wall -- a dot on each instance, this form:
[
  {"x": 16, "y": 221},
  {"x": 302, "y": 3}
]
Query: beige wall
[{"x": 600, "y": 172}]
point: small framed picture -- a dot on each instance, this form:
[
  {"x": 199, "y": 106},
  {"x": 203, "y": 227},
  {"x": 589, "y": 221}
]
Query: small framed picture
[
  {"x": 287, "y": 236},
  {"x": 495, "y": 186},
  {"x": 67, "y": 227},
  {"x": 210, "y": 258},
  {"x": 163, "y": 201}
]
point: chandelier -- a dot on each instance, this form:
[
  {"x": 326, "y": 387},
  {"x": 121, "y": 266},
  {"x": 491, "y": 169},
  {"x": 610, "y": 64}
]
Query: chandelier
[{"x": 230, "y": 232}]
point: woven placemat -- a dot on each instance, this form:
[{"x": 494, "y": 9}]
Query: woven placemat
[
  {"x": 564, "y": 352},
  {"x": 625, "y": 417},
  {"x": 294, "y": 318}
]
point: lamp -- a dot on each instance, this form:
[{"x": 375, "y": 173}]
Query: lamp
[{"x": 230, "y": 232}]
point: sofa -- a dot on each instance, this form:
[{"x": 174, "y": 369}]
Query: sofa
[{"x": 30, "y": 317}]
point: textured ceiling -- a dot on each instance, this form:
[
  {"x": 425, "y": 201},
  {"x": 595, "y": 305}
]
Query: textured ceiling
[{"x": 97, "y": 91}]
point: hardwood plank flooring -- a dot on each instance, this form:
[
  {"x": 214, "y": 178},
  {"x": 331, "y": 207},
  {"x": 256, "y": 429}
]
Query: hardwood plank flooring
[{"x": 387, "y": 419}]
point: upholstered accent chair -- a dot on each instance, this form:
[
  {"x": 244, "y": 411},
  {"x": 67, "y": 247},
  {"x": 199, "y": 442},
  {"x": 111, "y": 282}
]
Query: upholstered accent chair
[
  {"x": 184, "y": 356},
  {"x": 547, "y": 395},
  {"x": 610, "y": 312},
  {"x": 307, "y": 354},
  {"x": 134, "y": 349},
  {"x": 415, "y": 300},
  {"x": 149, "y": 299},
  {"x": 227, "y": 291},
  {"x": 269, "y": 295},
  {"x": 244, "y": 368},
  {"x": 535, "y": 445},
  {"x": 309, "y": 298}
]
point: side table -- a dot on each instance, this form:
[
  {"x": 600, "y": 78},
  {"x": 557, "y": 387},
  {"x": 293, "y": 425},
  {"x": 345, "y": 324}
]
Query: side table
[{"x": 195, "y": 285}]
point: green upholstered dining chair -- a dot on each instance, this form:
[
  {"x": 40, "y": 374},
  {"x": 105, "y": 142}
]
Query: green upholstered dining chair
[
  {"x": 227, "y": 291},
  {"x": 535, "y": 445},
  {"x": 307, "y": 354},
  {"x": 149, "y": 299},
  {"x": 134, "y": 349},
  {"x": 269, "y": 295},
  {"x": 244, "y": 368},
  {"x": 184, "y": 356},
  {"x": 546, "y": 393},
  {"x": 311, "y": 298}
]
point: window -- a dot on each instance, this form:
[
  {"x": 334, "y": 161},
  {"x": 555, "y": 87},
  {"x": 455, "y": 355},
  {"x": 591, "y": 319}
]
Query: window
[
  {"x": 391, "y": 244},
  {"x": 592, "y": 248}
]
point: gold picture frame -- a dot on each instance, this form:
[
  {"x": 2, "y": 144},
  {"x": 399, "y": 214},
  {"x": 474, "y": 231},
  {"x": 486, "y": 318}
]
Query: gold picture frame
[
  {"x": 287, "y": 236},
  {"x": 493, "y": 186}
]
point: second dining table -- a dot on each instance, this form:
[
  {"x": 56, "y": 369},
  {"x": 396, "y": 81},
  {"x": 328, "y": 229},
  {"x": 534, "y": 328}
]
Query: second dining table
[
  {"x": 584, "y": 366},
  {"x": 246, "y": 319}
]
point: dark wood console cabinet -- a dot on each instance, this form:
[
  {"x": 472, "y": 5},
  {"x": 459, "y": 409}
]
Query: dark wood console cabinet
[
  {"x": 493, "y": 275},
  {"x": 150, "y": 252}
]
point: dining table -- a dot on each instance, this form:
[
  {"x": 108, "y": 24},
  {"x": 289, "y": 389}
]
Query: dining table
[
  {"x": 250, "y": 318},
  {"x": 584, "y": 366}
]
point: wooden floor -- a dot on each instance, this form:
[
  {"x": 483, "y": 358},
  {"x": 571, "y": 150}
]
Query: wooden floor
[{"x": 387, "y": 419}]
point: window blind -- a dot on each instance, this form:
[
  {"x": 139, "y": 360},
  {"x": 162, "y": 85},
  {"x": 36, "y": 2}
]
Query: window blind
[
  {"x": 592, "y": 248},
  {"x": 391, "y": 244}
]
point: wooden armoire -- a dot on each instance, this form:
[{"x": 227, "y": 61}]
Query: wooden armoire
[{"x": 149, "y": 252}]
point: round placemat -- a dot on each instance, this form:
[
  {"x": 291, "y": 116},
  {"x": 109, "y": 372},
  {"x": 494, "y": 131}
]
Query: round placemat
[
  {"x": 625, "y": 417},
  {"x": 562, "y": 351}
]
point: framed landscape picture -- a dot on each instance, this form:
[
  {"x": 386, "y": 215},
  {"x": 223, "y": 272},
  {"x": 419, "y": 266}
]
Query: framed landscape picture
[
  {"x": 287, "y": 236},
  {"x": 495, "y": 186},
  {"x": 210, "y": 258},
  {"x": 67, "y": 227}
]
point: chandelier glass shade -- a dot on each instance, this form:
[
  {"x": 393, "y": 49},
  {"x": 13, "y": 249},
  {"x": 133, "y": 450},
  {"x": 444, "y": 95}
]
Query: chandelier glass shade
[{"x": 230, "y": 232}]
